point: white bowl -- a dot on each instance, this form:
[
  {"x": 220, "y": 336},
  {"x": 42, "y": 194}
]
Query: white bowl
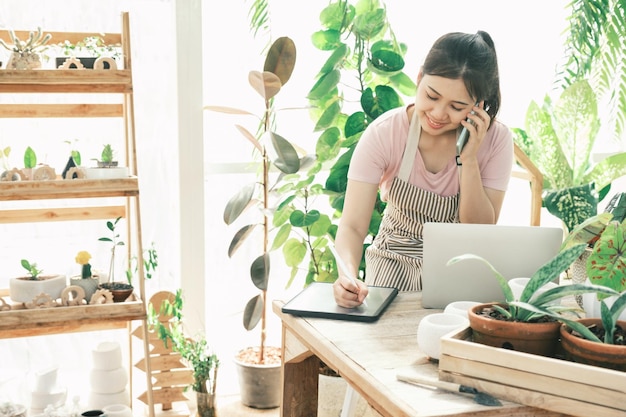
[
  {"x": 107, "y": 356},
  {"x": 118, "y": 410},
  {"x": 432, "y": 327},
  {"x": 460, "y": 307}
]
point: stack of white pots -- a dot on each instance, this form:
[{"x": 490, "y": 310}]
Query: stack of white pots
[
  {"x": 46, "y": 391},
  {"x": 108, "y": 378}
]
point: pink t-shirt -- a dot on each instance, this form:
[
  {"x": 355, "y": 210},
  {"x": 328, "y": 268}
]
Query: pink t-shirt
[{"x": 378, "y": 155}]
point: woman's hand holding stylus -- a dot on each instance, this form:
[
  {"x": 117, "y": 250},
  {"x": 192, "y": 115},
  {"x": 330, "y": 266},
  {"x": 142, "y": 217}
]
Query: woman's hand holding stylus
[{"x": 348, "y": 290}]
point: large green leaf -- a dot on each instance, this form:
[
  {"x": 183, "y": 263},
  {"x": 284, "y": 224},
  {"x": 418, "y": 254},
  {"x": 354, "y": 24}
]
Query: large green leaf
[
  {"x": 606, "y": 264},
  {"x": 260, "y": 271},
  {"x": 286, "y": 158},
  {"x": 573, "y": 205},
  {"x": 326, "y": 40},
  {"x": 324, "y": 85},
  {"x": 337, "y": 15},
  {"x": 382, "y": 99},
  {"x": 281, "y": 58}
]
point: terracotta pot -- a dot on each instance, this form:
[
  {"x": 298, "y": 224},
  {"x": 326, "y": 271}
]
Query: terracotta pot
[
  {"x": 587, "y": 352},
  {"x": 536, "y": 338}
]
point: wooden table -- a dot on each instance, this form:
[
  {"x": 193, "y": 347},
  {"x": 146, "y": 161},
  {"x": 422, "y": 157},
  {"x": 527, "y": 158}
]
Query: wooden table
[{"x": 368, "y": 356}]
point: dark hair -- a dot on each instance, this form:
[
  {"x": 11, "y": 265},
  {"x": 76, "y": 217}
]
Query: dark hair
[{"x": 472, "y": 58}]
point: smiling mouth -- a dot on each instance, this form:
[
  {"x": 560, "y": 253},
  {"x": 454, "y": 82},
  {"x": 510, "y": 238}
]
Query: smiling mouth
[{"x": 435, "y": 125}]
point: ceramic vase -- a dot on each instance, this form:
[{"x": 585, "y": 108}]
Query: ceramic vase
[{"x": 89, "y": 285}]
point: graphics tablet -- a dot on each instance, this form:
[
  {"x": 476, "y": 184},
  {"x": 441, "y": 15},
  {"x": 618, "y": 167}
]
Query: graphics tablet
[{"x": 317, "y": 300}]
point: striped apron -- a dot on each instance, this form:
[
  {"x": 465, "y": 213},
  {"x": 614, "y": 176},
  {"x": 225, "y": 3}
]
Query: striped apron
[{"x": 394, "y": 259}]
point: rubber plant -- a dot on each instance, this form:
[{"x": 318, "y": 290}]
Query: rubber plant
[
  {"x": 361, "y": 79},
  {"x": 273, "y": 151}
]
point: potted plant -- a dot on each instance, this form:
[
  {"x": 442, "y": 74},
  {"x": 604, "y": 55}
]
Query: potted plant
[
  {"x": 166, "y": 321},
  {"x": 26, "y": 54},
  {"x": 600, "y": 340},
  {"x": 107, "y": 166},
  {"x": 528, "y": 324},
  {"x": 87, "y": 281},
  {"x": 121, "y": 290},
  {"x": 85, "y": 53},
  {"x": 262, "y": 363},
  {"x": 35, "y": 285},
  {"x": 559, "y": 139}
]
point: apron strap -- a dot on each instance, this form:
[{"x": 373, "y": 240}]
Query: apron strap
[{"x": 410, "y": 150}]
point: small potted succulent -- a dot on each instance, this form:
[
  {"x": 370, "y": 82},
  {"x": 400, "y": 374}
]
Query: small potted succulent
[
  {"x": 88, "y": 281},
  {"x": 35, "y": 285},
  {"x": 26, "y": 55},
  {"x": 107, "y": 166}
]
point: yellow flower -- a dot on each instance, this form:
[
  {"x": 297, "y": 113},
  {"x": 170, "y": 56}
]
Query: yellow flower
[{"x": 83, "y": 257}]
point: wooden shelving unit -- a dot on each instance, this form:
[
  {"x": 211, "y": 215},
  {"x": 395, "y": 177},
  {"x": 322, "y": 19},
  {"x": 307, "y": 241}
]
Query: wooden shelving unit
[{"x": 21, "y": 322}]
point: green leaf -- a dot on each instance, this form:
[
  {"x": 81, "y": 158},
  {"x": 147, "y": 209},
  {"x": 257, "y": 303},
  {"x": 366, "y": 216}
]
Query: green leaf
[
  {"x": 606, "y": 264},
  {"x": 260, "y": 271},
  {"x": 286, "y": 158},
  {"x": 30, "y": 159},
  {"x": 355, "y": 124},
  {"x": 294, "y": 252},
  {"x": 385, "y": 98},
  {"x": 281, "y": 58},
  {"x": 336, "y": 59},
  {"x": 253, "y": 312},
  {"x": 573, "y": 205},
  {"x": 386, "y": 63},
  {"x": 337, "y": 15},
  {"x": 238, "y": 203},
  {"x": 240, "y": 237},
  {"x": 403, "y": 83},
  {"x": 329, "y": 115},
  {"x": 300, "y": 219},
  {"x": 326, "y": 40},
  {"x": 324, "y": 85},
  {"x": 327, "y": 146}
]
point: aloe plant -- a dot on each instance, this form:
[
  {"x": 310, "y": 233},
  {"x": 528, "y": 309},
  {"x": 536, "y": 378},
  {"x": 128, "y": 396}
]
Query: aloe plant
[{"x": 532, "y": 304}]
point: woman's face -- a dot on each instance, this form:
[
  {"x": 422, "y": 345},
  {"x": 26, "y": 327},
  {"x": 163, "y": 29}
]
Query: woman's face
[{"x": 441, "y": 103}]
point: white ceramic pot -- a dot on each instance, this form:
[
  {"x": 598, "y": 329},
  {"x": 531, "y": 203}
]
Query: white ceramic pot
[
  {"x": 118, "y": 410},
  {"x": 24, "y": 290},
  {"x": 89, "y": 285},
  {"x": 40, "y": 400},
  {"x": 99, "y": 401},
  {"x": 46, "y": 379},
  {"x": 108, "y": 382},
  {"x": 95, "y": 173},
  {"x": 107, "y": 356},
  {"x": 432, "y": 327},
  {"x": 592, "y": 308},
  {"x": 460, "y": 307}
]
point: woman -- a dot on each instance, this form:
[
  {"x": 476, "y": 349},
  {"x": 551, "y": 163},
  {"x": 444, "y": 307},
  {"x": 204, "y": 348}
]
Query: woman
[{"x": 410, "y": 155}]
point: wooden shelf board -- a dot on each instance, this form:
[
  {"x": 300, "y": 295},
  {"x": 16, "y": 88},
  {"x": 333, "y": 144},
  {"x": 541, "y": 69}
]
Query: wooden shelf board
[
  {"x": 76, "y": 188},
  {"x": 66, "y": 81}
]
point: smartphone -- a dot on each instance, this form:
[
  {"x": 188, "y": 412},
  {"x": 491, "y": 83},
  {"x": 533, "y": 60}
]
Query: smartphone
[{"x": 462, "y": 140}]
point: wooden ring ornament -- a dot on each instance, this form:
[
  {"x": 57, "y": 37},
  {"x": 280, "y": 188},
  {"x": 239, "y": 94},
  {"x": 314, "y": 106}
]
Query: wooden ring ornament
[
  {"x": 72, "y": 63},
  {"x": 4, "y": 306},
  {"x": 99, "y": 64},
  {"x": 42, "y": 300},
  {"x": 101, "y": 296},
  {"x": 44, "y": 173},
  {"x": 13, "y": 175},
  {"x": 75, "y": 171},
  {"x": 77, "y": 293}
]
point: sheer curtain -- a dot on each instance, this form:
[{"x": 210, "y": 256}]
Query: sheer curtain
[{"x": 54, "y": 245}]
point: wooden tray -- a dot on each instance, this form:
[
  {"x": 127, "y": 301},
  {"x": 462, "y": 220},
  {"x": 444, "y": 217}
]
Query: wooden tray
[{"x": 548, "y": 383}]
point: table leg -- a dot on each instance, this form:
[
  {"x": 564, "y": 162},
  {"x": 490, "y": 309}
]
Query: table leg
[{"x": 300, "y": 388}]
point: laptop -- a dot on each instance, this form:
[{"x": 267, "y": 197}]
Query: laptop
[{"x": 515, "y": 251}]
